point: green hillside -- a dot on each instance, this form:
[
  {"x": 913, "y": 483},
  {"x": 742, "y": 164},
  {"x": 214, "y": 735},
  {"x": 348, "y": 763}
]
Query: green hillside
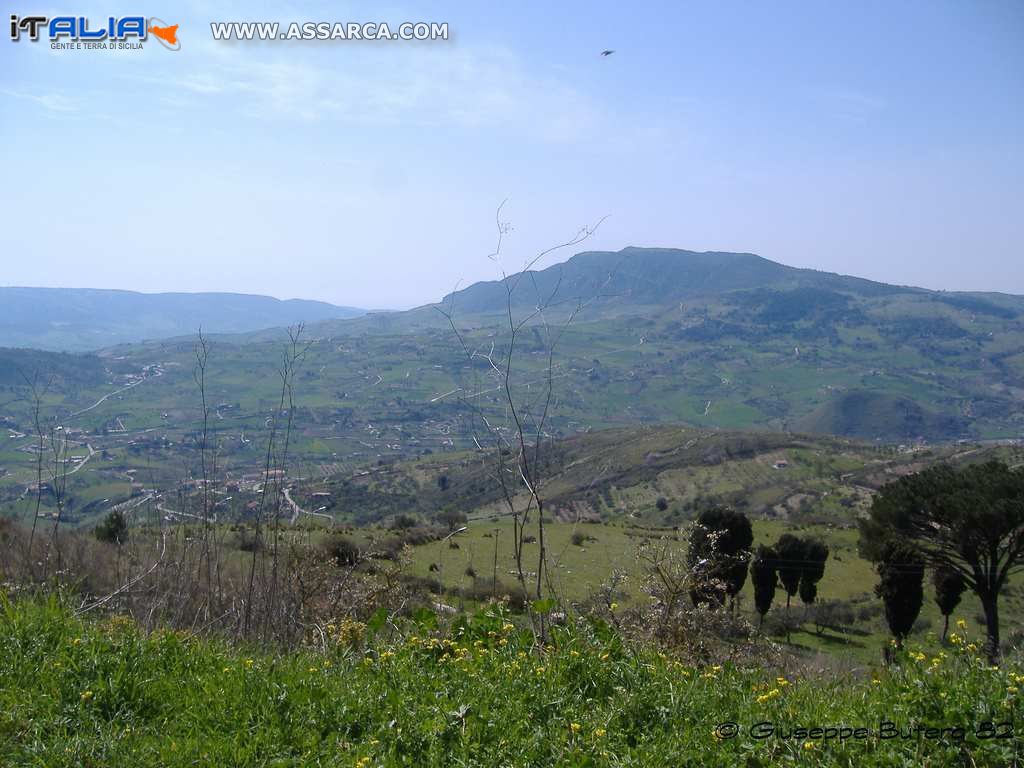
[
  {"x": 878, "y": 415},
  {"x": 59, "y": 371}
]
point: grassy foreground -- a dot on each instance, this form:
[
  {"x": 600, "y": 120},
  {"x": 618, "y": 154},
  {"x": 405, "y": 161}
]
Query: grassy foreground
[{"x": 99, "y": 693}]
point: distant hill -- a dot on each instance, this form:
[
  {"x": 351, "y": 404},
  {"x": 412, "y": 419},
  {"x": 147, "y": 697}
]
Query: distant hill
[
  {"x": 877, "y": 415},
  {"x": 75, "y": 319},
  {"x": 655, "y": 276},
  {"x": 54, "y": 371},
  {"x": 647, "y": 281},
  {"x": 712, "y": 340}
]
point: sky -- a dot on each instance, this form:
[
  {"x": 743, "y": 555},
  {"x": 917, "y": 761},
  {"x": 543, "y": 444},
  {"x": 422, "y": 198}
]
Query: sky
[{"x": 879, "y": 139}]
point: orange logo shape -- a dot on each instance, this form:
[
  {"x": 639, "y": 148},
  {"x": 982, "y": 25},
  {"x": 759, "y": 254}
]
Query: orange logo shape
[{"x": 167, "y": 35}]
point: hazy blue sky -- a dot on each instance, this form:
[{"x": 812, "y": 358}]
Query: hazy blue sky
[{"x": 873, "y": 138}]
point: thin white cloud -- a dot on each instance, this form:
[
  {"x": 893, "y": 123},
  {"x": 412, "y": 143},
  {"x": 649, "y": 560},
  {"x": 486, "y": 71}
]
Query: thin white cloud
[
  {"x": 477, "y": 88},
  {"x": 51, "y": 101}
]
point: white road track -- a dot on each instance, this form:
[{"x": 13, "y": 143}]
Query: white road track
[
  {"x": 115, "y": 392},
  {"x": 161, "y": 508},
  {"x": 501, "y": 387},
  {"x": 82, "y": 463},
  {"x": 297, "y": 510}
]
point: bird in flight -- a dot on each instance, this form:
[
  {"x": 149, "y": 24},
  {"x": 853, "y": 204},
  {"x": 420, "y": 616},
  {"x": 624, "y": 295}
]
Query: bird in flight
[{"x": 607, "y": 53}]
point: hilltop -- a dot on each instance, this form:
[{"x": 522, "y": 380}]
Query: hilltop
[
  {"x": 649, "y": 281},
  {"x": 653, "y": 277}
]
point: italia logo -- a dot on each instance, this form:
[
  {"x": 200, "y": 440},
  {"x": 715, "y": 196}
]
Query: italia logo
[{"x": 63, "y": 30}]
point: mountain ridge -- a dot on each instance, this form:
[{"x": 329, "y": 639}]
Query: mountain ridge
[
  {"x": 85, "y": 319},
  {"x": 584, "y": 278},
  {"x": 683, "y": 273}
]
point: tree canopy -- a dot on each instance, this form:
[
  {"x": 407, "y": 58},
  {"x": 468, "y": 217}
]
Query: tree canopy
[
  {"x": 719, "y": 553},
  {"x": 789, "y": 554},
  {"x": 968, "y": 521},
  {"x": 815, "y": 555}
]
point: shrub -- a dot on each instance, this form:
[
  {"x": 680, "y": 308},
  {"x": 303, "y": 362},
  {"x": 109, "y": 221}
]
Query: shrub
[
  {"x": 403, "y": 522},
  {"x": 833, "y": 614},
  {"x": 780, "y": 623},
  {"x": 113, "y": 529},
  {"x": 343, "y": 551}
]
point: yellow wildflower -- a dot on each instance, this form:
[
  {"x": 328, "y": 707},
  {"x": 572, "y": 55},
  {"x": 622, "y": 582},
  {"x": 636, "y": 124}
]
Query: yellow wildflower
[
  {"x": 575, "y": 727},
  {"x": 808, "y": 745},
  {"x": 961, "y": 624},
  {"x": 772, "y": 694},
  {"x": 86, "y": 695},
  {"x": 600, "y": 732}
]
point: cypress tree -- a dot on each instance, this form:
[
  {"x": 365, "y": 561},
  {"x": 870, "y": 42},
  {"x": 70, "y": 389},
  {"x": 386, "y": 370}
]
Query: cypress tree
[
  {"x": 764, "y": 577},
  {"x": 949, "y": 587},
  {"x": 901, "y": 587}
]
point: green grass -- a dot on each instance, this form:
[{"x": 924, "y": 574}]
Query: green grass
[
  {"x": 577, "y": 572},
  {"x": 99, "y": 693}
]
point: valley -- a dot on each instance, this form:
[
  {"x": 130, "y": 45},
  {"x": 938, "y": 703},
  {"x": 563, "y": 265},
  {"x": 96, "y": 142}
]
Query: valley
[
  {"x": 687, "y": 381},
  {"x": 896, "y": 367}
]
